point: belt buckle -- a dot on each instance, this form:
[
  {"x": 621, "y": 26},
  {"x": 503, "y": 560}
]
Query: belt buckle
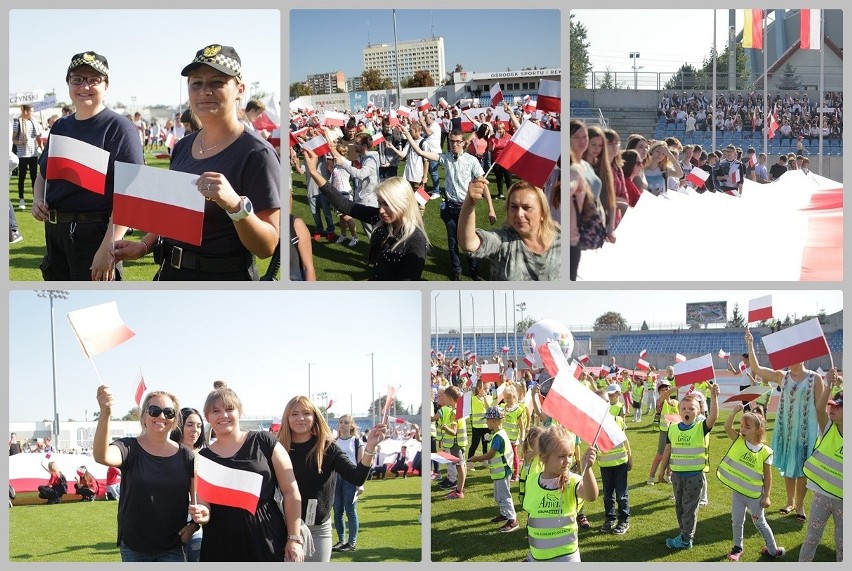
[
  {"x": 52, "y": 216},
  {"x": 176, "y": 257}
]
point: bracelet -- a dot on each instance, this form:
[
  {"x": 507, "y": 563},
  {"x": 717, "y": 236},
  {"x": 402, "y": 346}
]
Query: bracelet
[
  {"x": 296, "y": 538},
  {"x": 144, "y": 243},
  {"x": 368, "y": 453}
]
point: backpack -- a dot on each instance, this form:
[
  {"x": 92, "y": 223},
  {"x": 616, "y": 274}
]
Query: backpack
[
  {"x": 592, "y": 228},
  {"x": 61, "y": 487}
]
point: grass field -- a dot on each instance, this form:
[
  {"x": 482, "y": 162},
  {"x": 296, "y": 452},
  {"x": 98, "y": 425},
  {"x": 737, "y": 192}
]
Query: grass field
[
  {"x": 86, "y": 531},
  {"x": 461, "y": 530},
  {"x": 25, "y": 256}
]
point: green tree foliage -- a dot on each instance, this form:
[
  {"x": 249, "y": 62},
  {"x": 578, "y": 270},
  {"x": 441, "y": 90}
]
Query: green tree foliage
[
  {"x": 610, "y": 321},
  {"x": 299, "y": 88},
  {"x": 684, "y": 78},
  {"x": 790, "y": 80},
  {"x": 737, "y": 320},
  {"x": 580, "y": 63},
  {"x": 608, "y": 81},
  {"x": 449, "y": 80},
  {"x": 421, "y": 78},
  {"x": 525, "y": 324},
  {"x": 372, "y": 80},
  {"x": 644, "y": 326},
  {"x": 133, "y": 414}
]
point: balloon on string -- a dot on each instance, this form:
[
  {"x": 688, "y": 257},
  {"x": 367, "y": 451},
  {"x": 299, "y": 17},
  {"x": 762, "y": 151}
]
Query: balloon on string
[{"x": 539, "y": 333}]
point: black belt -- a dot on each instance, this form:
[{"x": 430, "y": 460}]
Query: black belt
[
  {"x": 455, "y": 205},
  {"x": 178, "y": 258},
  {"x": 55, "y": 217}
]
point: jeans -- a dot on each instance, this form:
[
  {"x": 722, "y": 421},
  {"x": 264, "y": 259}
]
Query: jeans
[
  {"x": 26, "y": 164},
  {"x": 450, "y": 216},
  {"x": 615, "y": 491},
  {"x": 171, "y": 556},
  {"x": 503, "y": 177},
  {"x": 321, "y": 207},
  {"x": 433, "y": 173},
  {"x": 344, "y": 494},
  {"x": 192, "y": 548}
]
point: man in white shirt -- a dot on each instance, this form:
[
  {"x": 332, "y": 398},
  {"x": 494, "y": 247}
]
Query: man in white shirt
[{"x": 432, "y": 144}]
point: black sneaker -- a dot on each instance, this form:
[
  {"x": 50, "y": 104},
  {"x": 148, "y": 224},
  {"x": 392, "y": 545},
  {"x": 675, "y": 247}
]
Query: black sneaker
[
  {"x": 442, "y": 481},
  {"x": 583, "y": 522},
  {"x": 447, "y": 485},
  {"x": 621, "y": 528},
  {"x": 347, "y": 547},
  {"x": 608, "y": 525},
  {"x": 336, "y": 547},
  {"x": 500, "y": 518}
]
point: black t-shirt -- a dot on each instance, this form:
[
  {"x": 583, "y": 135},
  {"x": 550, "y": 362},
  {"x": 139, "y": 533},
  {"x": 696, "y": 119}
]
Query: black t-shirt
[
  {"x": 776, "y": 170},
  {"x": 154, "y": 496},
  {"x": 107, "y": 130},
  {"x": 252, "y": 169}
]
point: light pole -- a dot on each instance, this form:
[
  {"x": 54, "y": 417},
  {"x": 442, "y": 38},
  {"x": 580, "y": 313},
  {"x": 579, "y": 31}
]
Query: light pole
[
  {"x": 435, "y": 305},
  {"x": 473, "y": 320},
  {"x": 52, "y": 294},
  {"x": 522, "y": 307},
  {"x": 635, "y": 57},
  {"x": 324, "y": 397},
  {"x": 309, "y": 379},
  {"x": 373, "y": 387}
]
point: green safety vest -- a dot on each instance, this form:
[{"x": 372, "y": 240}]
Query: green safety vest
[
  {"x": 666, "y": 409},
  {"x": 552, "y": 522},
  {"x": 637, "y": 394},
  {"x": 511, "y": 422},
  {"x": 530, "y": 470},
  {"x": 616, "y": 409},
  {"x": 825, "y": 466},
  {"x": 618, "y": 455},
  {"x": 689, "y": 449},
  {"x": 742, "y": 470},
  {"x": 477, "y": 411},
  {"x": 500, "y": 461},
  {"x": 448, "y": 417},
  {"x": 625, "y": 386}
]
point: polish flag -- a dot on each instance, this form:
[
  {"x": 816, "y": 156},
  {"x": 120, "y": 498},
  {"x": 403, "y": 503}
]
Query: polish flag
[
  {"x": 451, "y": 348},
  {"x": 679, "y": 358},
  {"x": 444, "y": 458},
  {"x": 773, "y": 125},
  {"x": 552, "y": 358},
  {"x": 463, "y": 406},
  {"x": 549, "y": 96},
  {"x": 334, "y": 119},
  {"x": 409, "y": 112},
  {"x": 77, "y": 162},
  {"x": 275, "y": 425},
  {"x": 330, "y": 402},
  {"x": 160, "y": 201},
  {"x": 393, "y": 119},
  {"x": 529, "y": 105},
  {"x": 752, "y": 161},
  {"x": 140, "y": 389},
  {"x": 317, "y": 145},
  {"x": 466, "y": 124},
  {"x": 500, "y": 388},
  {"x": 528, "y": 360},
  {"x": 490, "y": 373},
  {"x": 734, "y": 174},
  {"x": 796, "y": 344},
  {"x": 750, "y": 394},
  {"x": 442, "y": 103},
  {"x": 643, "y": 353},
  {"x": 723, "y": 355},
  {"x": 378, "y": 138},
  {"x": 99, "y": 328},
  {"x": 743, "y": 367},
  {"x": 643, "y": 365},
  {"x": 697, "y": 177},
  {"x": 496, "y": 94},
  {"x": 423, "y": 105},
  {"x": 810, "y": 36},
  {"x": 218, "y": 484},
  {"x": 531, "y": 153},
  {"x": 421, "y": 196},
  {"x": 505, "y": 349},
  {"x": 294, "y": 136},
  {"x": 694, "y": 371},
  {"x": 397, "y": 420},
  {"x": 389, "y": 400},
  {"x": 582, "y": 412},
  {"x": 760, "y": 309}
]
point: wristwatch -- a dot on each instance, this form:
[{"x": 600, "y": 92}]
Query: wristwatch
[
  {"x": 245, "y": 209},
  {"x": 296, "y": 538}
]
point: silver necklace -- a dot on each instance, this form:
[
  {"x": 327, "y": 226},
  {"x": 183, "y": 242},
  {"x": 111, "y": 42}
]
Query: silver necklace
[{"x": 202, "y": 150}]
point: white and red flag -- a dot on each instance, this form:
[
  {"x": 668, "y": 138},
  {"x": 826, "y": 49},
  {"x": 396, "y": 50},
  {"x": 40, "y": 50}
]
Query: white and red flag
[
  {"x": 423, "y": 105},
  {"x": 743, "y": 367},
  {"x": 334, "y": 119},
  {"x": 396, "y": 420},
  {"x": 77, "y": 162},
  {"x": 140, "y": 389},
  {"x": 442, "y": 103},
  {"x": 421, "y": 195},
  {"x": 504, "y": 349},
  {"x": 466, "y": 123},
  {"x": 552, "y": 358},
  {"x": 171, "y": 139},
  {"x": 496, "y": 94},
  {"x": 463, "y": 405},
  {"x": 490, "y": 373},
  {"x": 643, "y": 365},
  {"x": 697, "y": 177},
  {"x": 389, "y": 400},
  {"x": 532, "y": 153},
  {"x": 760, "y": 309},
  {"x": 407, "y": 111},
  {"x": 317, "y": 145},
  {"x": 294, "y": 136},
  {"x": 549, "y": 96},
  {"x": 723, "y": 355},
  {"x": 218, "y": 484},
  {"x": 99, "y": 328},
  {"x": 734, "y": 174},
  {"x": 679, "y": 358},
  {"x": 809, "y": 34},
  {"x": 584, "y": 358},
  {"x": 796, "y": 344},
  {"x": 694, "y": 371},
  {"x": 582, "y": 412},
  {"x": 451, "y": 348},
  {"x": 393, "y": 119},
  {"x": 528, "y": 360},
  {"x": 444, "y": 458},
  {"x": 749, "y": 394},
  {"x": 159, "y": 201},
  {"x": 378, "y": 138},
  {"x": 529, "y": 104},
  {"x": 643, "y": 353}
]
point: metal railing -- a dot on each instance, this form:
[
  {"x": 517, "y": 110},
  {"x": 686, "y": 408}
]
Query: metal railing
[{"x": 656, "y": 80}]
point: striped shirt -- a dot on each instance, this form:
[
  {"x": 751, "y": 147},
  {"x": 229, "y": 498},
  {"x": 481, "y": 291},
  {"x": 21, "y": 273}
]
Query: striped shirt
[{"x": 31, "y": 133}]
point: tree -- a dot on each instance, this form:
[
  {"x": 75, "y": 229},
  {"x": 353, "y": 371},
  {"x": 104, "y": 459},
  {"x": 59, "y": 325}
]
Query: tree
[
  {"x": 379, "y": 404},
  {"x": 299, "y": 88},
  {"x": 133, "y": 414},
  {"x": 421, "y": 78},
  {"x": 790, "y": 80},
  {"x": 737, "y": 320},
  {"x": 644, "y": 326},
  {"x": 704, "y": 79},
  {"x": 608, "y": 81},
  {"x": 450, "y": 80},
  {"x": 372, "y": 80},
  {"x": 684, "y": 78},
  {"x": 580, "y": 63},
  {"x": 525, "y": 324},
  {"x": 610, "y": 321}
]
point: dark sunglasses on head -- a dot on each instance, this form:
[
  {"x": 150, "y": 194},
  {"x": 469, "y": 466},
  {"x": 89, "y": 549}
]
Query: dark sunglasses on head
[{"x": 155, "y": 411}]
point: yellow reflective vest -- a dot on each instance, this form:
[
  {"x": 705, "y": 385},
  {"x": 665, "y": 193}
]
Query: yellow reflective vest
[
  {"x": 478, "y": 406},
  {"x": 825, "y": 466},
  {"x": 664, "y": 410},
  {"x": 448, "y": 417},
  {"x": 501, "y": 461},
  {"x": 618, "y": 455},
  {"x": 742, "y": 470},
  {"x": 689, "y": 448},
  {"x": 552, "y": 522},
  {"x": 512, "y": 422}
]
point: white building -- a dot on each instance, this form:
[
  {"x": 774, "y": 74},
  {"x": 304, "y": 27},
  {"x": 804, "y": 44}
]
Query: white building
[{"x": 414, "y": 55}]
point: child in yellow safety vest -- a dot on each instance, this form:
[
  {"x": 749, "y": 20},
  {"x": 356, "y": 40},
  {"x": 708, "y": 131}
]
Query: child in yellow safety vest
[
  {"x": 747, "y": 470},
  {"x": 824, "y": 470},
  {"x": 637, "y": 392},
  {"x": 499, "y": 459},
  {"x": 616, "y": 407},
  {"x": 686, "y": 450},
  {"x": 453, "y": 440},
  {"x": 514, "y": 423},
  {"x": 554, "y": 497},
  {"x": 666, "y": 406},
  {"x": 614, "y": 466},
  {"x": 532, "y": 463}
]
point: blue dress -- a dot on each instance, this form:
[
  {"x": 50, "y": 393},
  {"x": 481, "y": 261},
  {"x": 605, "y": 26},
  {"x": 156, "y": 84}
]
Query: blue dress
[{"x": 796, "y": 429}]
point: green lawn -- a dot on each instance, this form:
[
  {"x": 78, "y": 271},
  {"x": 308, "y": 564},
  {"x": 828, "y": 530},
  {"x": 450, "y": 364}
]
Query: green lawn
[
  {"x": 25, "y": 256},
  {"x": 85, "y": 531},
  {"x": 461, "y": 530}
]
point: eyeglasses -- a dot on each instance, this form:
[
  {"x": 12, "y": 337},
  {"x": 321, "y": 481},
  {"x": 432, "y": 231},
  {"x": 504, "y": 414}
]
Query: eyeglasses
[
  {"x": 454, "y": 141},
  {"x": 155, "y": 411},
  {"x": 93, "y": 81}
]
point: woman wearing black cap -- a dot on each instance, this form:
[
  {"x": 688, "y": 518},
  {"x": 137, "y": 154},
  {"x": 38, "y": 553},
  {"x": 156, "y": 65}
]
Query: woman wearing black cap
[
  {"x": 239, "y": 176},
  {"x": 78, "y": 229}
]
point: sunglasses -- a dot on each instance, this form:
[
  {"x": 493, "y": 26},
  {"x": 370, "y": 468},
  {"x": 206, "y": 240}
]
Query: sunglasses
[{"x": 155, "y": 411}]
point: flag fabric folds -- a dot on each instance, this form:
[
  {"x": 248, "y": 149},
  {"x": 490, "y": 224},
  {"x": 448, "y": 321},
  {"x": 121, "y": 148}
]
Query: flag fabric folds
[
  {"x": 463, "y": 406},
  {"x": 723, "y": 355},
  {"x": 218, "y": 484},
  {"x": 421, "y": 195},
  {"x": 749, "y": 394},
  {"x": 810, "y": 33},
  {"x": 643, "y": 365},
  {"x": 697, "y": 177},
  {"x": 78, "y": 162},
  {"x": 532, "y": 153},
  {"x": 496, "y": 95},
  {"x": 760, "y": 309},
  {"x": 796, "y": 344},
  {"x": 317, "y": 145},
  {"x": 753, "y": 29},
  {"x": 549, "y": 96},
  {"x": 140, "y": 389},
  {"x": 679, "y": 358},
  {"x": 99, "y": 328},
  {"x": 694, "y": 371},
  {"x": 552, "y": 358},
  {"x": 490, "y": 373}
]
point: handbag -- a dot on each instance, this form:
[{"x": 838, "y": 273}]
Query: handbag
[{"x": 591, "y": 227}]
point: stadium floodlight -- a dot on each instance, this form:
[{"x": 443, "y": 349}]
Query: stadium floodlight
[
  {"x": 635, "y": 57},
  {"x": 52, "y": 294}
]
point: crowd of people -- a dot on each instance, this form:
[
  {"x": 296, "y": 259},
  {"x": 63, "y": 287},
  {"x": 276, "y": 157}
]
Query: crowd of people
[
  {"x": 530, "y": 457},
  {"x": 359, "y": 178}
]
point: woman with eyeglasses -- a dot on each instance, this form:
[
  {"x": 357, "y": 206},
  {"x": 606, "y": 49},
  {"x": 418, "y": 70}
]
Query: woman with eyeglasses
[
  {"x": 238, "y": 174},
  {"x": 77, "y": 209},
  {"x": 156, "y": 478}
]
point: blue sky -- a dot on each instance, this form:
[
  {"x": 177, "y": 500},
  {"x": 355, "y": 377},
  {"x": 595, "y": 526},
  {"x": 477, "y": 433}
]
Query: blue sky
[
  {"x": 260, "y": 342},
  {"x": 481, "y": 40}
]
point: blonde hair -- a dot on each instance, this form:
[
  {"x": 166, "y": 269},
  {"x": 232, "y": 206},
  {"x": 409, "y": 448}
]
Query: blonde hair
[
  {"x": 649, "y": 160},
  {"x": 396, "y": 193},
  {"x": 143, "y": 410},
  {"x": 758, "y": 421},
  {"x": 319, "y": 429},
  {"x": 353, "y": 430},
  {"x": 552, "y": 440},
  {"x": 532, "y": 440},
  {"x": 547, "y": 228}
]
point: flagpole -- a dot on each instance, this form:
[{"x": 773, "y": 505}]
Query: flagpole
[
  {"x": 494, "y": 315},
  {"x": 713, "y": 102},
  {"x": 461, "y": 326},
  {"x": 595, "y": 441},
  {"x": 765, "y": 129},
  {"x": 98, "y": 373},
  {"x": 821, "y": 82}
]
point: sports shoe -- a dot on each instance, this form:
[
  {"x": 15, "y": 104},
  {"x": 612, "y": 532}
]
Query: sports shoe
[
  {"x": 441, "y": 481},
  {"x": 447, "y": 485},
  {"x": 736, "y": 553},
  {"x": 22, "y": 205},
  {"x": 702, "y": 504},
  {"x": 331, "y": 237},
  {"x": 678, "y": 543},
  {"x": 353, "y": 241},
  {"x": 621, "y": 528},
  {"x": 435, "y": 476},
  {"x": 16, "y": 237},
  {"x": 500, "y": 518},
  {"x": 607, "y": 526},
  {"x": 340, "y": 240},
  {"x": 435, "y": 196},
  {"x": 583, "y": 522},
  {"x": 650, "y": 481},
  {"x": 471, "y": 469},
  {"x": 317, "y": 236},
  {"x": 347, "y": 547},
  {"x": 509, "y": 526},
  {"x": 454, "y": 495},
  {"x": 778, "y": 554},
  {"x": 337, "y": 546}
]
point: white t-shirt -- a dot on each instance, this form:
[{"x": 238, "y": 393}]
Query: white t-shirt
[{"x": 350, "y": 447}]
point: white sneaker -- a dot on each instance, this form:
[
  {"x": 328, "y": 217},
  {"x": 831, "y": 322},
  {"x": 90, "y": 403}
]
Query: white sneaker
[
  {"x": 435, "y": 196},
  {"x": 340, "y": 240},
  {"x": 22, "y": 205},
  {"x": 353, "y": 241}
]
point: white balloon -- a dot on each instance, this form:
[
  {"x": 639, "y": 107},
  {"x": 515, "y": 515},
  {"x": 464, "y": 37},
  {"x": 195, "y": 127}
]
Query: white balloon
[{"x": 540, "y": 332}]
